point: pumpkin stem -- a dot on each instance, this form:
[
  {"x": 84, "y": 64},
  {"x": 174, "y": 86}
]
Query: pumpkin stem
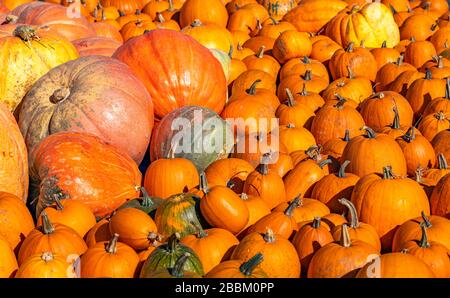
[
  {"x": 146, "y": 199},
  {"x": 203, "y": 183},
  {"x": 294, "y": 204},
  {"x": 424, "y": 240},
  {"x": 351, "y": 74},
  {"x": 290, "y": 97},
  {"x": 60, "y": 95},
  {"x": 47, "y": 226},
  {"x": 239, "y": 46},
  {"x": 412, "y": 39},
  {"x": 350, "y": 47},
  {"x": 426, "y": 220},
  {"x": 121, "y": 13},
  {"x": 440, "y": 115},
  {"x": 260, "y": 53},
  {"x": 177, "y": 270},
  {"x": 171, "y": 8},
  {"x": 394, "y": 11},
  {"x": 307, "y": 76},
  {"x": 196, "y": 23},
  {"x": 434, "y": 26},
  {"x": 428, "y": 75},
  {"x": 173, "y": 241},
  {"x": 324, "y": 163},
  {"x": 404, "y": 251},
  {"x": 138, "y": 12},
  {"x": 416, "y": 124},
  {"x": 304, "y": 92},
  {"x": 396, "y": 122},
  {"x": 341, "y": 173},
  {"x": 252, "y": 89},
  {"x": 410, "y": 135},
  {"x": 269, "y": 236},
  {"x": 346, "y": 136},
  {"x": 400, "y": 60},
  {"x": 354, "y": 222},
  {"x": 341, "y": 101},
  {"x": 387, "y": 173},
  {"x": 384, "y": 45},
  {"x": 274, "y": 22},
  {"x": 111, "y": 247},
  {"x": 59, "y": 205},
  {"x": 263, "y": 168},
  {"x": 447, "y": 88},
  {"x": 442, "y": 162},
  {"x": 160, "y": 17},
  {"x": 306, "y": 60},
  {"x": 345, "y": 236},
  {"x": 230, "y": 52},
  {"x": 370, "y": 133},
  {"x": 24, "y": 32},
  {"x": 47, "y": 256},
  {"x": 316, "y": 222},
  {"x": 247, "y": 267}
]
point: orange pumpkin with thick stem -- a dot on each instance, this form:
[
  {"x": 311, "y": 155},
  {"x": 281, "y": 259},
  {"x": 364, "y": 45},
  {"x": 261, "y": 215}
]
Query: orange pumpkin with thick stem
[
  {"x": 162, "y": 23},
  {"x": 384, "y": 55},
  {"x": 239, "y": 268},
  {"x": 298, "y": 82},
  {"x": 53, "y": 237},
  {"x": 375, "y": 196},
  {"x": 433, "y": 124},
  {"x": 137, "y": 15},
  {"x": 46, "y": 265},
  {"x": 136, "y": 28},
  {"x": 291, "y": 44},
  {"x": 73, "y": 166},
  {"x": 310, "y": 99},
  {"x": 109, "y": 259},
  {"x": 262, "y": 62},
  {"x": 195, "y": 9},
  {"x": 404, "y": 80},
  {"x": 273, "y": 28},
  {"x": 419, "y": 26},
  {"x": 256, "y": 42},
  {"x": 341, "y": 258},
  {"x": 381, "y": 146},
  {"x": 440, "y": 198},
  {"x": 437, "y": 231},
  {"x": 357, "y": 89},
  {"x": 298, "y": 66},
  {"x": 390, "y": 71},
  {"x": 357, "y": 230},
  {"x": 323, "y": 49},
  {"x": 305, "y": 209},
  {"x": 441, "y": 143},
  {"x": 439, "y": 67},
  {"x": 298, "y": 114},
  {"x": 435, "y": 174},
  {"x": 261, "y": 95},
  {"x": 395, "y": 130},
  {"x": 280, "y": 257},
  {"x": 335, "y": 147},
  {"x": 230, "y": 172},
  {"x": 419, "y": 52},
  {"x": 247, "y": 78}
]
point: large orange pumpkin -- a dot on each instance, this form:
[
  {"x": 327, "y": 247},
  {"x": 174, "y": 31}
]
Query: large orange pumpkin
[{"x": 180, "y": 71}]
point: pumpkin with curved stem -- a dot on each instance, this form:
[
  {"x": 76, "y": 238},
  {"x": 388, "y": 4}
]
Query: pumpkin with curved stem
[
  {"x": 136, "y": 28},
  {"x": 435, "y": 174},
  {"x": 378, "y": 110},
  {"x": 222, "y": 208},
  {"x": 8, "y": 260},
  {"x": 387, "y": 151},
  {"x": 375, "y": 192},
  {"x": 260, "y": 94},
  {"x": 312, "y": 100},
  {"x": 242, "y": 52},
  {"x": 341, "y": 258},
  {"x": 177, "y": 214},
  {"x": 237, "y": 67},
  {"x": 298, "y": 66},
  {"x": 262, "y": 62},
  {"x": 402, "y": 83},
  {"x": 239, "y": 268},
  {"x": 74, "y": 165},
  {"x": 291, "y": 44},
  {"x": 434, "y": 8},
  {"x": 247, "y": 78},
  {"x": 417, "y": 150},
  {"x": 230, "y": 172},
  {"x": 401, "y": 16},
  {"x": 281, "y": 259},
  {"x": 357, "y": 230},
  {"x": 135, "y": 227},
  {"x": 267, "y": 185},
  {"x": 56, "y": 238},
  {"x": 70, "y": 213},
  {"x": 394, "y": 130},
  {"x": 410, "y": 230},
  {"x": 163, "y": 23},
  {"x": 46, "y": 265},
  {"x": 384, "y": 55},
  {"x": 418, "y": 52},
  {"x": 440, "y": 198},
  {"x": 297, "y": 114},
  {"x": 166, "y": 255},
  {"x": 145, "y": 203},
  {"x": 210, "y": 35},
  {"x": 194, "y": 9},
  {"x": 331, "y": 188},
  {"x": 390, "y": 71},
  {"x": 356, "y": 89},
  {"x": 177, "y": 271},
  {"x": 127, "y": 7},
  {"x": 211, "y": 246},
  {"x": 242, "y": 20},
  {"x": 273, "y": 28},
  {"x": 70, "y": 97},
  {"x": 109, "y": 259},
  {"x": 438, "y": 68},
  {"x": 419, "y": 26},
  {"x": 332, "y": 120},
  {"x": 309, "y": 239},
  {"x": 305, "y": 209},
  {"x": 123, "y": 19},
  {"x": 335, "y": 147},
  {"x": 99, "y": 232},
  {"x": 296, "y": 83},
  {"x": 357, "y": 59}
]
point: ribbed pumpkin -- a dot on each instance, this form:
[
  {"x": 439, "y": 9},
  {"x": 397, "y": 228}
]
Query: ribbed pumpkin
[
  {"x": 433, "y": 124},
  {"x": 376, "y": 196},
  {"x": 335, "y": 147},
  {"x": 291, "y": 44},
  {"x": 262, "y": 62},
  {"x": 356, "y": 89},
  {"x": 394, "y": 130},
  {"x": 281, "y": 259},
  {"x": 404, "y": 80},
  {"x": 176, "y": 60},
  {"x": 53, "y": 237},
  {"x": 441, "y": 143},
  {"x": 262, "y": 95},
  {"x": 341, "y": 258},
  {"x": 300, "y": 65},
  {"x": 136, "y": 28},
  {"x": 33, "y": 49},
  {"x": 440, "y": 198},
  {"x": 380, "y": 148},
  {"x": 257, "y": 209},
  {"x": 297, "y": 114},
  {"x": 211, "y": 246},
  {"x": 111, "y": 259},
  {"x": 323, "y": 48},
  {"x": 419, "y": 52},
  {"x": 272, "y": 28},
  {"x": 166, "y": 255},
  {"x": 72, "y": 98},
  {"x": 239, "y": 268},
  {"x": 296, "y": 138},
  {"x": 102, "y": 46},
  {"x": 439, "y": 104},
  {"x": 14, "y": 161},
  {"x": 390, "y": 71},
  {"x": 384, "y": 55},
  {"x": 8, "y": 260},
  {"x": 442, "y": 169},
  {"x": 106, "y": 30},
  {"x": 46, "y": 265},
  {"x": 74, "y": 165}
]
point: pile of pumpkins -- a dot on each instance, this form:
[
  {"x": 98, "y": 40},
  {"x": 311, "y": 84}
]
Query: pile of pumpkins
[{"x": 353, "y": 180}]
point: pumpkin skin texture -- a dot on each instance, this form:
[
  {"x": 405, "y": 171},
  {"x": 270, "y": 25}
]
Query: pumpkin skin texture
[
  {"x": 210, "y": 35},
  {"x": 211, "y": 246},
  {"x": 109, "y": 259},
  {"x": 373, "y": 24},
  {"x": 386, "y": 150},
  {"x": 16, "y": 221},
  {"x": 8, "y": 262},
  {"x": 358, "y": 61},
  {"x": 107, "y": 30},
  {"x": 374, "y": 193},
  {"x": 54, "y": 237},
  {"x": 418, "y": 26},
  {"x": 390, "y": 71},
  {"x": 312, "y": 15},
  {"x": 440, "y": 198},
  {"x": 281, "y": 259},
  {"x": 22, "y": 51},
  {"x": 177, "y": 214},
  {"x": 46, "y": 265},
  {"x": 166, "y": 177},
  {"x": 231, "y": 172},
  {"x": 57, "y": 18},
  {"x": 291, "y": 44},
  {"x": 239, "y": 269},
  {"x": 396, "y": 265},
  {"x": 71, "y": 96},
  {"x": 419, "y": 52},
  {"x": 102, "y": 46},
  {"x": 174, "y": 79},
  {"x": 341, "y": 258},
  {"x": 80, "y": 166},
  {"x": 441, "y": 143},
  {"x": 14, "y": 162},
  {"x": 195, "y": 9}
]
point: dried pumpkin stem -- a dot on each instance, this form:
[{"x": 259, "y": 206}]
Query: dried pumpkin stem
[
  {"x": 410, "y": 135},
  {"x": 252, "y": 89},
  {"x": 345, "y": 236},
  {"x": 426, "y": 220},
  {"x": 428, "y": 74},
  {"x": 306, "y": 60},
  {"x": 341, "y": 173},
  {"x": 304, "y": 92},
  {"x": 111, "y": 247},
  {"x": 370, "y": 133},
  {"x": 396, "y": 122},
  {"x": 146, "y": 199},
  {"x": 290, "y": 209},
  {"x": 384, "y": 45},
  {"x": 160, "y": 17},
  {"x": 47, "y": 256},
  {"x": 346, "y": 136},
  {"x": 269, "y": 236},
  {"x": 203, "y": 183},
  {"x": 47, "y": 226},
  {"x": 424, "y": 240},
  {"x": 59, "y": 205},
  {"x": 442, "y": 162},
  {"x": 260, "y": 53},
  {"x": 307, "y": 76},
  {"x": 316, "y": 222},
  {"x": 290, "y": 97},
  {"x": 354, "y": 222},
  {"x": 247, "y": 267},
  {"x": 324, "y": 163}
]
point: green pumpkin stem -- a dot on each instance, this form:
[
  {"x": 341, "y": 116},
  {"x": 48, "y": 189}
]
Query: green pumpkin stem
[
  {"x": 247, "y": 267},
  {"x": 354, "y": 222},
  {"x": 290, "y": 98},
  {"x": 252, "y": 89},
  {"x": 410, "y": 135},
  {"x": 341, "y": 173},
  {"x": 177, "y": 270},
  {"x": 260, "y": 53},
  {"x": 345, "y": 240},
  {"x": 47, "y": 226},
  {"x": 316, "y": 222},
  {"x": 387, "y": 173},
  {"x": 416, "y": 124},
  {"x": 370, "y": 133},
  {"x": 111, "y": 247},
  {"x": 173, "y": 241},
  {"x": 428, "y": 74},
  {"x": 203, "y": 183},
  {"x": 424, "y": 240},
  {"x": 324, "y": 163},
  {"x": 426, "y": 220},
  {"x": 147, "y": 201},
  {"x": 442, "y": 162},
  {"x": 290, "y": 209}
]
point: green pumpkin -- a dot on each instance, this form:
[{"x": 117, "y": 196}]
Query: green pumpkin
[
  {"x": 145, "y": 203},
  {"x": 177, "y": 271},
  {"x": 178, "y": 214},
  {"x": 166, "y": 255}
]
